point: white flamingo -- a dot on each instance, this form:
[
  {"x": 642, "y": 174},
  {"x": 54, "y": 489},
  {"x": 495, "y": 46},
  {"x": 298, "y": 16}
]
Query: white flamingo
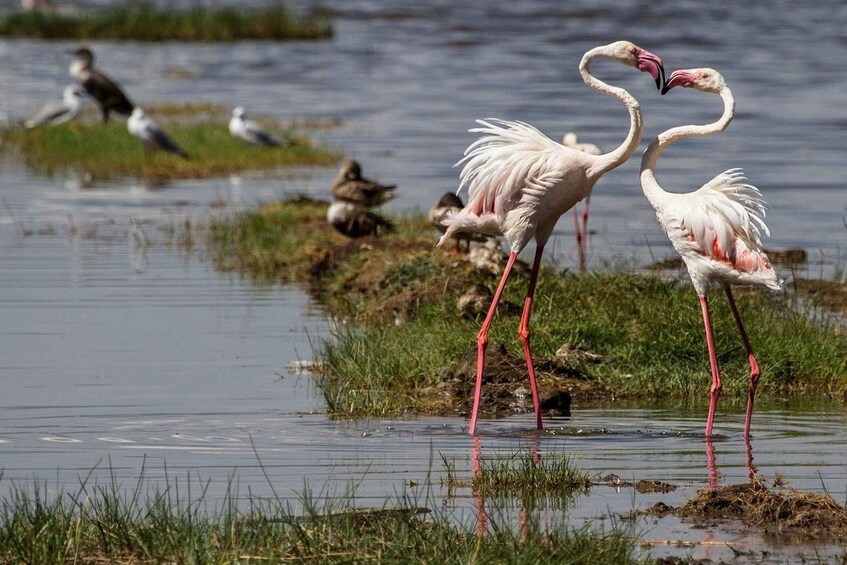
[
  {"x": 570, "y": 139},
  {"x": 520, "y": 182},
  {"x": 716, "y": 229}
]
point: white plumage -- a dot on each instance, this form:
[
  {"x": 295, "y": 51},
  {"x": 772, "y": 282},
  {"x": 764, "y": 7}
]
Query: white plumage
[
  {"x": 571, "y": 140},
  {"x": 55, "y": 113},
  {"x": 251, "y": 132},
  {"x": 151, "y": 136},
  {"x": 520, "y": 182},
  {"x": 716, "y": 229}
]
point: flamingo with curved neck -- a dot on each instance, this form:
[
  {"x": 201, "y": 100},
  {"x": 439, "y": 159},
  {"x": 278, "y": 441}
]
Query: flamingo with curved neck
[
  {"x": 520, "y": 182},
  {"x": 716, "y": 229}
]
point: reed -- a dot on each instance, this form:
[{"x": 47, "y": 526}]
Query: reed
[{"x": 142, "y": 21}]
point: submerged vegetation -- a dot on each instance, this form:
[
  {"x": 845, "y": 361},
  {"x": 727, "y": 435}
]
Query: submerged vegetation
[
  {"x": 642, "y": 334},
  {"x": 102, "y": 151},
  {"x": 144, "y": 21}
]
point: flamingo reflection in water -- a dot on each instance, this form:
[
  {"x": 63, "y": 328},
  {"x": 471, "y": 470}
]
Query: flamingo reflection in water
[{"x": 479, "y": 493}]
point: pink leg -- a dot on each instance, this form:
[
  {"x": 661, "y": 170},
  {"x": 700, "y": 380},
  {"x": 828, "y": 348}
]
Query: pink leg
[
  {"x": 711, "y": 463},
  {"x": 754, "y": 366},
  {"x": 578, "y": 231},
  {"x": 715, "y": 391},
  {"x": 523, "y": 332},
  {"x": 482, "y": 339}
]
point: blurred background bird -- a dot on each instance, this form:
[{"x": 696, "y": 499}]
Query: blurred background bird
[
  {"x": 251, "y": 132},
  {"x": 350, "y": 185},
  {"x": 55, "y": 113},
  {"x": 109, "y": 96},
  {"x": 151, "y": 136}
]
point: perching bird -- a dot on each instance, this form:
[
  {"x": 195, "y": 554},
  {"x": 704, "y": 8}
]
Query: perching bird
[
  {"x": 251, "y": 132},
  {"x": 350, "y": 185},
  {"x": 104, "y": 90},
  {"x": 520, "y": 182},
  {"x": 581, "y": 228},
  {"x": 447, "y": 206},
  {"x": 151, "y": 136},
  {"x": 716, "y": 229},
  {"x": 355, "y": 220},
  {"x": 55, "y": 113}
]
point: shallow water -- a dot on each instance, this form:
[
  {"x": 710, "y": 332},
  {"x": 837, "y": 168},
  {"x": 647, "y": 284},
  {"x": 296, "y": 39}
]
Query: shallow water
[{"x": 122, "y": 349}]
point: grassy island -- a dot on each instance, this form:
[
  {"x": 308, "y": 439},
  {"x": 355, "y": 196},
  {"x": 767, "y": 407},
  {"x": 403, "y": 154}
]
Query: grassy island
[
  {"x": 147, "y": 22},
  {"x": 104, "y": 151},
  {"x": 407, "y": 348}
]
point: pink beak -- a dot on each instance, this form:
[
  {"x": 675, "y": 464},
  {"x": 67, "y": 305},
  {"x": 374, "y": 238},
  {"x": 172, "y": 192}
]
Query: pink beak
[
  {"x": 651, "y": 63},
  {"x": 683, "y": 77}
]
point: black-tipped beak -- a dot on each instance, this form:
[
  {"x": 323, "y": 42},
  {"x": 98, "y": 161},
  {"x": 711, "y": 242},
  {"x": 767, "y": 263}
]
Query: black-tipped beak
[
  {"x": 665, "y": 89},
  {"x": 660, "y": 80}
]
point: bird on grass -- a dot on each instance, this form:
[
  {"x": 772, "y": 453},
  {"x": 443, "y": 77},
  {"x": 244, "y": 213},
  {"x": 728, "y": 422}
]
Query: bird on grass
[
  {"x": 581, "y": 220},
  {"x": 520, "y": 182},
  {"x": 151, "y": 136},
  {"x": 104, "y": 90},
  {"x": 351, "y": 186},
  {"x": 355, "y": 220},
  {"x": 251, "y": 132},
  {"x": 447, "y": 206},
  {"x": 55, "y": 113},
  {"x": 716, "y": 229}
]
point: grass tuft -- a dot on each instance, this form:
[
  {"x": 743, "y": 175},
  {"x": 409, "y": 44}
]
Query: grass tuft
[
  {"x": 144, "y": 21},
  {"x": 175, "y": 524}
]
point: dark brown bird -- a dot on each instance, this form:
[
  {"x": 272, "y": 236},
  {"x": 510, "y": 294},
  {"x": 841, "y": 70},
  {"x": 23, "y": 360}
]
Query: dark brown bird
[
  {"x": 350, "y": 185},
  {"x": 355, "y": 220},
  {"x": 104, "y": 90}
]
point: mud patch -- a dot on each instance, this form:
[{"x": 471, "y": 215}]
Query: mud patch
[
  {"x": 792, "y": 515},
  {"x": 506, "y": 385}
]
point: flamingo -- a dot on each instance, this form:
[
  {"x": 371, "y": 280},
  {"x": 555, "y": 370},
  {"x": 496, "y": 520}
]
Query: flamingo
[
  {"x": 570, "y": 139},
  {"x": 448, "y": 205},
  {"x": 520, "y": 182},
  {"x": 716, "y": 229}
]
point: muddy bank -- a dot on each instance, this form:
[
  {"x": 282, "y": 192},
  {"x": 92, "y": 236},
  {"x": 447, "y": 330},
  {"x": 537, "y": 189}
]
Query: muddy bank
[{"x": 785, "y": 514}]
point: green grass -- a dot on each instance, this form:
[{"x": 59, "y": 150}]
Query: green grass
[
  {"x": 522, "y": 475},
  {"x": 400, "y": 293},
  {"x": 104, "y": 151},
  {"x": 276, "y": 242},
  {"x": 175, "y": 524},
  {"x": 141, "y": 21}
]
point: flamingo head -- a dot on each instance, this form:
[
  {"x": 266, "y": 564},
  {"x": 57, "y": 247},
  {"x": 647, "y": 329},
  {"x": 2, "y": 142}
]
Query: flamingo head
[
  {"x": 630, "y": 54},
  {"x": 238, "y": 112},
  {"x": 706, "y": 80}
]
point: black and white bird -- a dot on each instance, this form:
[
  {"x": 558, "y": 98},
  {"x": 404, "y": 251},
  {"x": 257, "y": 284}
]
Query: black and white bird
[
  {"x": 55, "y": 113},
  {"x": 354, "y": 220},
  {"x": 104, "y": 90},
  {"x": 251, "y": 132},
  {"x": 151, "y": 136},
  {"x": 350, "y": 185}
]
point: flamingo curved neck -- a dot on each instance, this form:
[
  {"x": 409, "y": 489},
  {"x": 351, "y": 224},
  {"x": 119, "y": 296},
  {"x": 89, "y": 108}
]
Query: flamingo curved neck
[
  {"x": 652, "y": 190},
  {"x": 624, "y": 151}
]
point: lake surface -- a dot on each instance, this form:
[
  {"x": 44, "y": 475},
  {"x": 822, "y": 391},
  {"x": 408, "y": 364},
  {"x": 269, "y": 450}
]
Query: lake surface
[{"x": 121, "y": 349}]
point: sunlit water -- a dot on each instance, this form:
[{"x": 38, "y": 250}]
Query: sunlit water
[{"x": 121, "y": 349}]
